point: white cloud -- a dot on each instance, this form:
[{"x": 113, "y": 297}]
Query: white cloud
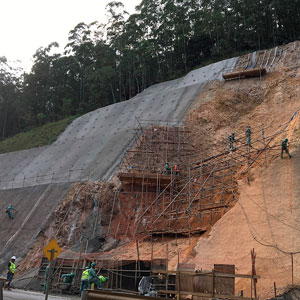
[{"x": 27, "y": 25}]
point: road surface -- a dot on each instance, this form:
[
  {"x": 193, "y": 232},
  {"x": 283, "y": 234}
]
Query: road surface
[{"x": 29, "y": 295}]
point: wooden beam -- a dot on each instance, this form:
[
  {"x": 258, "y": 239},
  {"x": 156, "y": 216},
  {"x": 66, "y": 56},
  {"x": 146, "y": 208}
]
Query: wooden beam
[
  {"x": 205, "y": 295},
  {"x": 217, "y": 274},
  {"x": 256, "y": 72}
]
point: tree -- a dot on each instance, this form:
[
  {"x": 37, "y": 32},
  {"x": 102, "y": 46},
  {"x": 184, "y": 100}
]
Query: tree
[{"x": 9, "y": 96}]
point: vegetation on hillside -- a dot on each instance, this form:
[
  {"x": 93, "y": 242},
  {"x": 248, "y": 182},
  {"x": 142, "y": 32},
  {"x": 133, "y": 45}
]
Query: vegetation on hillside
[
  {"x": 36, "y": 137},
  {"x": 107, "y": 63}
]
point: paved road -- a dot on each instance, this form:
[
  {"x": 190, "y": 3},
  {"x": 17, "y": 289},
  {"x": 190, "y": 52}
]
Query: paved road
[{"x": 28, "y": 295}]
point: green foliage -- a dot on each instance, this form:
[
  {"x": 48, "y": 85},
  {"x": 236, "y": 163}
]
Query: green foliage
[
  {"x": 36, "y": 137},
  {"x": 67, "y": 107},
  {"x": 41, "y": 118}
]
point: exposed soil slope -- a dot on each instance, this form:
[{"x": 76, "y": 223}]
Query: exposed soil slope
[
  {"x": 267, "y": 210},
  {"x": 265, "y": 216}
]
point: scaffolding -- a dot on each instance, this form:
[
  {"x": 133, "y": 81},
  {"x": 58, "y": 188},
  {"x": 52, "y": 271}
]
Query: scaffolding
[
  {"x": 154, "y": 200},
  {"x": 125, "y": 275}
]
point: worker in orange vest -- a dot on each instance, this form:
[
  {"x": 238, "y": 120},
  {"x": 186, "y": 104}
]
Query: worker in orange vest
[{"x": 176, "y": 170}]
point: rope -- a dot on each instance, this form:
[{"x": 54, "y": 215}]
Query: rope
[
  {"x": 291, "y": 185},
  {"x": 262, "y": 243}
]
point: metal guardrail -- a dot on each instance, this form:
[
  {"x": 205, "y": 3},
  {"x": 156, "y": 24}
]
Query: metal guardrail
[{"x": 40, "y": 179}]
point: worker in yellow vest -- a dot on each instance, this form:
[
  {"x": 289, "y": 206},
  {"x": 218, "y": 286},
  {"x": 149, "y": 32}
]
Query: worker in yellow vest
[
  {"x": 11, "y": 271},
  {"x": 102, "y": 279},
  {"x": 84, "y": 279}
]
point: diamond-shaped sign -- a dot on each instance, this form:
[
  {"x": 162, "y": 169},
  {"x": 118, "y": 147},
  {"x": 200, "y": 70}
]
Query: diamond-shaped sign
[{"x": 52, "y": 247}]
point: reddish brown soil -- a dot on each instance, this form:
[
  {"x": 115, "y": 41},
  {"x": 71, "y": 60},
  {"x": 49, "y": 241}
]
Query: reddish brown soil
[
  {"x": 267, "y": 211},
  {"x": 263, "y": 213}
]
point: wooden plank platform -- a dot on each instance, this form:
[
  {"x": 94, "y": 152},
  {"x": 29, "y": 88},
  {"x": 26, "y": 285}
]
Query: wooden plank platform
[
  {"x": 144, "y": 178},
  {"x": 256, "y": 72},
  {"x": 174, "y": 232}
]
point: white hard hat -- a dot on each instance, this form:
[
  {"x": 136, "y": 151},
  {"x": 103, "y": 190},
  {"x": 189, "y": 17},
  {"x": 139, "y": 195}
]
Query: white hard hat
[{"x": 13, "y": 257}]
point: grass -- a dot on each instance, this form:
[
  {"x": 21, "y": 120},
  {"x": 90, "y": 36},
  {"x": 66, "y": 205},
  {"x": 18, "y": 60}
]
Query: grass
[{"x": 36, "y": 137}]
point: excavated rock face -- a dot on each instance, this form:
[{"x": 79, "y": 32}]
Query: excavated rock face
[
  {"x": 35, "y": 206},
  {"x": 35, "y": 181},
  {"x": 78, "y": 223},
  {"x": 267, "y": 211},
  {"x": 93, "y": 145},
  {"x": 265, "y": 214}
]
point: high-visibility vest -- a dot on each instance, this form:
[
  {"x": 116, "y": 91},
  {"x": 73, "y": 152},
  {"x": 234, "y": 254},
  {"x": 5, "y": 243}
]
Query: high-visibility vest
[
  {"x": 102, "y": 279},
  {"x": 12, "y": 267},
  {"x": 85, "y": 275}
]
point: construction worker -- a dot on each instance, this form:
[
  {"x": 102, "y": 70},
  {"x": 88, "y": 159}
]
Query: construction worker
[
  {"x": 284, "y": 147},
  {"x": 9, "y": 212},
  {"x": 68, "y": 279},
  {"x": 84, "y": 279},
  {"x": 93, "y": 278},
  {"x": 176, "y": 170},
  {"x": 248, "y": 134},
  {"x": 102, "y": 280},
  {"x": 46, "y": 278},
  {"x": 231, "y": 140},
  {"x": 167, "y": 168},
  {"x": 11, "y": 271}
]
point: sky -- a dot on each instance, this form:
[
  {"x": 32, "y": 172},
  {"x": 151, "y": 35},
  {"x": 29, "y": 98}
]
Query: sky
[{"x": 26, "y": 25}]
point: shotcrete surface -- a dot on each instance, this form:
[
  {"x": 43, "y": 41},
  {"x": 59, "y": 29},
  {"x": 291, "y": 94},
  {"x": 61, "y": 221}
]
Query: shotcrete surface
[
  {"x": 34, "y": 207},
  {"x": 28, "y": 295},
  {"x": 35, "y": 181},
  {"x": 266, "y": 216},
  {"x": 93, "y": 145}
]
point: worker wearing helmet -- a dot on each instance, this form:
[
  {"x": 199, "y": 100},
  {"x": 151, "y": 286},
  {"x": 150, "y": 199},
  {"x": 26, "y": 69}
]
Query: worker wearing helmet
[
  {"x": 248, "y": 135},
  {"x": 231, "y": 141},
  {"x": 284, "y": 147},
  {"x": 102, "y": 279},
  {"x": 167, "y": 169},
  {"x": 93, "y": 278},
  {"x": 176, "y": 169},
  {"x": 9, "y": 211},
  {"x": 11, "y": 271},
  {"x": 84, "y": 279},
  {"x": 68, "y": 279}
]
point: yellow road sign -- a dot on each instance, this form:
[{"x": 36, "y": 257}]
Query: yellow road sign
[{"x": 52, "y": 247}]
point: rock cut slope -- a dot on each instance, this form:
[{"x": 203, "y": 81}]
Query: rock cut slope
[
  {"x": 35, "y": 181},
  {"x": 93, "y": 145},
  {"x": 266, "y": 214}
]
